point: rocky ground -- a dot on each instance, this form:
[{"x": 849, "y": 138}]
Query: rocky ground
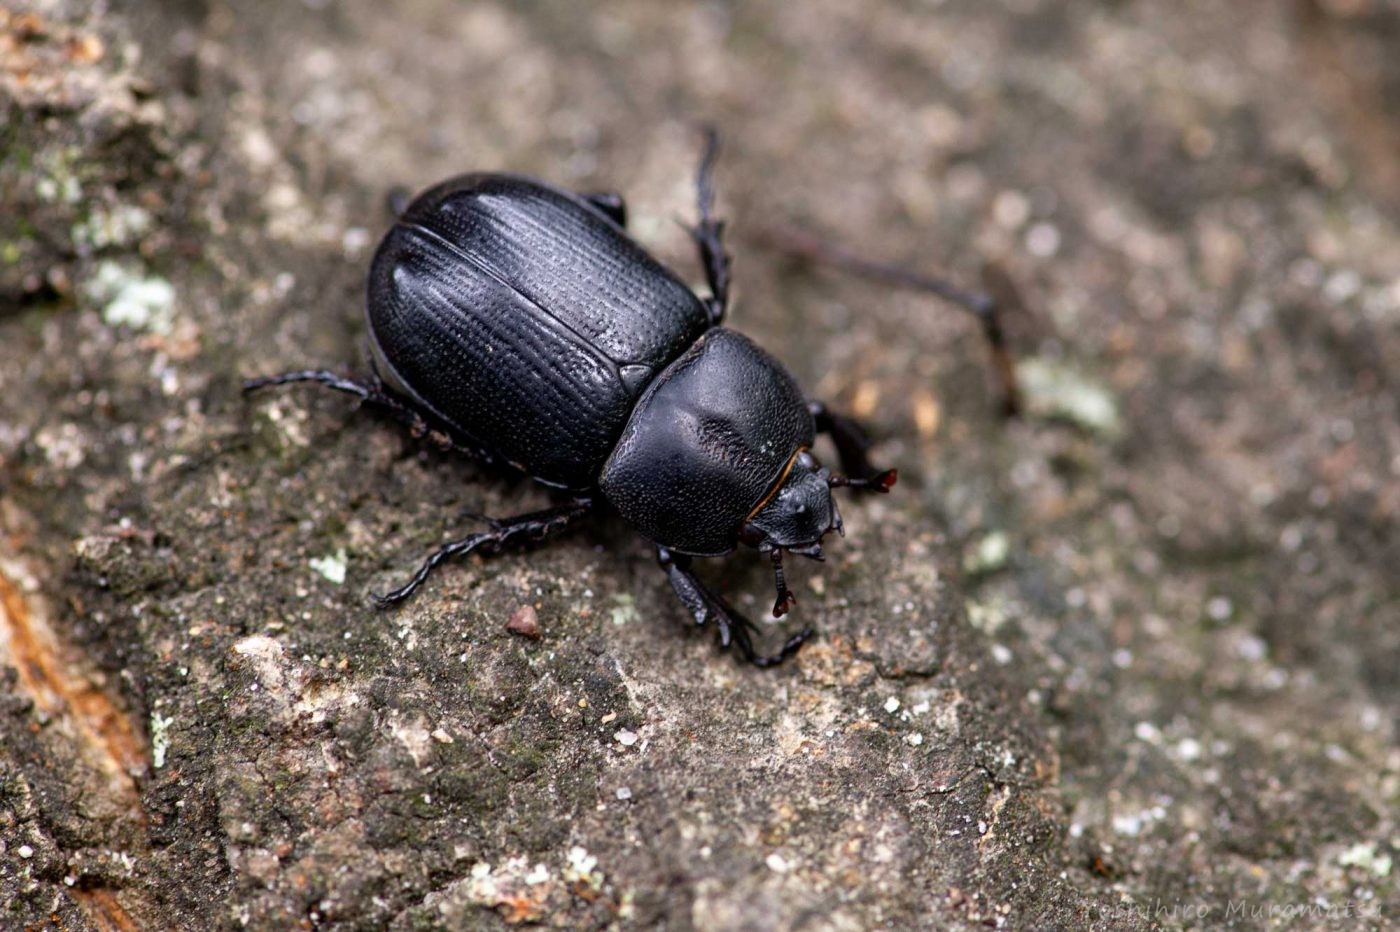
[{"x": 1129, "y": 660}]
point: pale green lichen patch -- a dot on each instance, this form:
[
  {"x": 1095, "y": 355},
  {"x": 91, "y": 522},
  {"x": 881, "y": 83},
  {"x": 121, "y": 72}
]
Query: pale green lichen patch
[
  {"x": 117, "y": 226},
  {"x": 132, "y": 299},
  {"x": 331, "y": 566},
  {"x": 989, "y": 555},
  {"x": 59, "y": 181},
  {"x": 1054, "y": 390},
  {"x": 624, "y": 609},
  {"x": 1364, "y": 856}
]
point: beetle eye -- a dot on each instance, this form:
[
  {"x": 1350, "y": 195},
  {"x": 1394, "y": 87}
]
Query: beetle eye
[{"x": 806, "y": 459}]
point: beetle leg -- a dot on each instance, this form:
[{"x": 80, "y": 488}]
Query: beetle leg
[
  {"x": 709, "y": 232},
  {"x": 982, "y": 306},
  {"x": 527, "y": 528},
  {"x": 786, "y": 599},
  {"x": 610, "y": 203},
  {"x": 397, "y": 200},
  {"x": 730, "y": 626},
  {"x": 369, "y": 391},
  {"x": 852, "y": 445}
]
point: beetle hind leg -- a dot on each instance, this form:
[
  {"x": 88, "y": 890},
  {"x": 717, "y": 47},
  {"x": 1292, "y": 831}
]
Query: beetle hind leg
[
  {"x": 522, "y": 529},
  {"x": 731, "y": 627},
  {"x": 370, "y": 391}
]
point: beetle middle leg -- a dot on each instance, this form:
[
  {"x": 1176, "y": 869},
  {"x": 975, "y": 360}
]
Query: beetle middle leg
[
  {"x": 521, "y": 529},
  {"x": 706, "y": 606},
  {"x": 852, "y": 445},
  {"x": 708, "y": 233}
]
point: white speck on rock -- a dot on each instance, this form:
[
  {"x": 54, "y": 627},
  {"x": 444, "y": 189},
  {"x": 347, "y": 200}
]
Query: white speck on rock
[
  {"x": 915, "y": 739},
  {"x": 25, "y": 852},
  {"x": 891, "y": 705},
  {"x": 1127, "y": 824},
  {"x": 777, "y": 863},
  {"x": 623, "y": 793},
  {"x": 1219, "y": 608},
  {"x": 582, "y": 867},
  {"x": 1043, "y": 240},
  {"x": 160, "y": 738},
  {"x": 626, "y": 738}
]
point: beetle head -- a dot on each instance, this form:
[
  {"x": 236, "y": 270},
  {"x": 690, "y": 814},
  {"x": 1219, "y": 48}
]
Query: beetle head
[{"x": 798, "y": 514}]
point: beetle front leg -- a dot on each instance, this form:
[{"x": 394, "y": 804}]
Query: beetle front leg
[
  {"x": 527, "y": 528},
  {"x": 785, "y": 600},
  {"x": 709, "y": 232},
  {"x": 706, "y": 606},
  {"x": 852, "y": 445}
]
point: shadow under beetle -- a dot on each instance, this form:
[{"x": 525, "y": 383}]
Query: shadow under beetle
[{"x": 519, "y": 323}]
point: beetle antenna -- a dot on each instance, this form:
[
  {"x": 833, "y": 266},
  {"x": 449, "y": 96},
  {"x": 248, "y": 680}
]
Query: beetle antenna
[{"x": 880, "y": 482}]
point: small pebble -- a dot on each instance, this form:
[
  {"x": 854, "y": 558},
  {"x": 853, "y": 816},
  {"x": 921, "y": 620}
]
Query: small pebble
[
  {"x": 626, "y": 738},
  {"x": 26, "y": 852},
  {"x": 525, "y": 621}
]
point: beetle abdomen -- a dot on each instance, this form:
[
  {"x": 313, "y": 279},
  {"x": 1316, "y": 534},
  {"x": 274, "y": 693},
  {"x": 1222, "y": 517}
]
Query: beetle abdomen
[
  {"x": 489, "y": 363},
  {"x": 572, "y": 261},
  {"x": 526, "y": 320},
  {"x": 705, "y": 444}
]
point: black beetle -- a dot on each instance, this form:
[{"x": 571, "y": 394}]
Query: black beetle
[{"x": 520, "y": 323}]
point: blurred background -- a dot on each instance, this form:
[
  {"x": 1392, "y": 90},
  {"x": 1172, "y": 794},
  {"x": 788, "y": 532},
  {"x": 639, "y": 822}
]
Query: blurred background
[{"x": 1168, "y": 591}]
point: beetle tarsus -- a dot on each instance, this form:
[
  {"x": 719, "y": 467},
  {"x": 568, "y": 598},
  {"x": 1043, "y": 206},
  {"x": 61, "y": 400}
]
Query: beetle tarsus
[
  {"x": 522, "y": 529},
  {"x": 731, "y": 627},
  {"x": 852, "y": 447},
  {"x": 790, "y": 647},
  {"x": 881, "y": 483},
  {"x": 708, "y": 232}
]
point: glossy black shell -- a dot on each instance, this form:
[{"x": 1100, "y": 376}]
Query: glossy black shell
[
  {"x": 526, "y": 320},
  {"x": 710, "y": 438},
  {"x": 538, "y": 332}
]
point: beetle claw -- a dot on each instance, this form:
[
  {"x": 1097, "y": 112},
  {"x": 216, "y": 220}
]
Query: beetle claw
[{"x": 880, "y": 482}]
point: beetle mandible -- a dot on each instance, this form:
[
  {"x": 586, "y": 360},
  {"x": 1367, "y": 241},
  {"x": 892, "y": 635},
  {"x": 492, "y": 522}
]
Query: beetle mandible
[{"x": 519, "y": 322}]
